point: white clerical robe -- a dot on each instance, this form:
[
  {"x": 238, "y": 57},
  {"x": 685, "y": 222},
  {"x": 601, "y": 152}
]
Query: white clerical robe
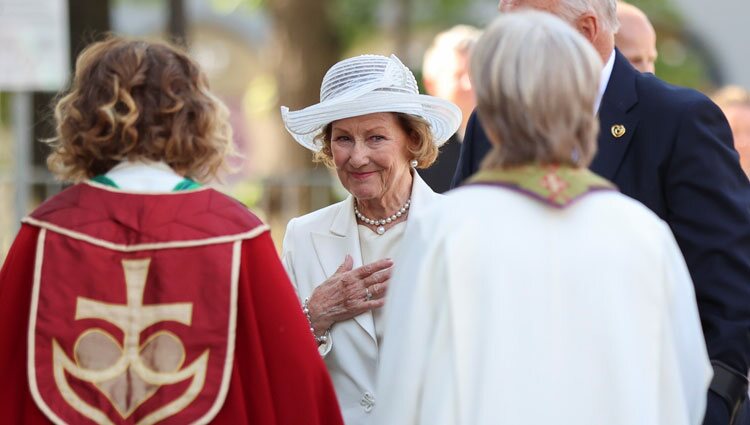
[{"x": 505, "y": 310}]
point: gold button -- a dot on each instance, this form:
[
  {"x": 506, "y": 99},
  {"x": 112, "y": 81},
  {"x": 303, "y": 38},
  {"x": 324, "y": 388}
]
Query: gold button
[{"x": 618, "y": 130}]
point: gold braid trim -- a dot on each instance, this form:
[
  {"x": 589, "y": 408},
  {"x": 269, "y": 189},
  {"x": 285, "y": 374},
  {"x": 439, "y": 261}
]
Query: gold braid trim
[{"x": 146, "y": 246}]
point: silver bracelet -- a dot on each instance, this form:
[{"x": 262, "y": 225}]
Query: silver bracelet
[{"x": 318, "y": 339}]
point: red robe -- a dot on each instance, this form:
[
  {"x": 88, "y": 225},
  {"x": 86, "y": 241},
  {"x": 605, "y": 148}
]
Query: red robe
[{"x": 275, "y": 375}]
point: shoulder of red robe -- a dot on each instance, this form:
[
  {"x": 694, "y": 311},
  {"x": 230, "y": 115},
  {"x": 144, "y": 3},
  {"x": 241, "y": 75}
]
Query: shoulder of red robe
[{"x": 126, "y": 221}]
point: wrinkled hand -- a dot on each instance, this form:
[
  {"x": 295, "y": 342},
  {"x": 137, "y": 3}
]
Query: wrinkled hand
[{"x": 343, "y": 296}]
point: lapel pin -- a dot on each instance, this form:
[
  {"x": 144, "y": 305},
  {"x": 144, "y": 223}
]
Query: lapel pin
[{"x": 618, "y": 130}]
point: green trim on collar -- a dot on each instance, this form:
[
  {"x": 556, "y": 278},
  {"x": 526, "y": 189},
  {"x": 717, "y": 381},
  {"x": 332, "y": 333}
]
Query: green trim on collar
[
  {"x": 106, "y": 181},
  {"x": 185, "y": 184},
  {"x": 556, "y": 185}
]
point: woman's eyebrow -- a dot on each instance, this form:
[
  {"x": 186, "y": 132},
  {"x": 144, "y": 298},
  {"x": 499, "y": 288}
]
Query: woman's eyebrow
[{"x": 380, "y": 128}]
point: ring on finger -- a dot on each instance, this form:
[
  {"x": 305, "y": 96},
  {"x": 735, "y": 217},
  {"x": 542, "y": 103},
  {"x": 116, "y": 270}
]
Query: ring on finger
[{"x": 368, "y": 294}]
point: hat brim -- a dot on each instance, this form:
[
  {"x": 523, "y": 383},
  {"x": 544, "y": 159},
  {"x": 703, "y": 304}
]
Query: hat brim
[{"x": 304, "y": 125}]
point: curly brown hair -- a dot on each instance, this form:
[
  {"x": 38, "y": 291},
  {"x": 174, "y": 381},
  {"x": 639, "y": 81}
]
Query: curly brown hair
[
  {"x": 423, "y": 148},
  {"x": 138, "y": 100}
]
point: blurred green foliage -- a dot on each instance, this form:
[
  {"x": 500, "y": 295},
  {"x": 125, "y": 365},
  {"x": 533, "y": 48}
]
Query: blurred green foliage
[
  {"x": 5, "y": 142},
  {"x": 4, "y": 108},
  {"x": 248, "y": 192},
  {"x": 680, "y": 62},
  {"x": 230, "y": 6},
  {"x": 357, "y": 21}
]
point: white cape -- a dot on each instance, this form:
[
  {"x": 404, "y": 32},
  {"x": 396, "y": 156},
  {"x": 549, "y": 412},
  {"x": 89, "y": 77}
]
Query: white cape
[{"x": 504, "y": 310}]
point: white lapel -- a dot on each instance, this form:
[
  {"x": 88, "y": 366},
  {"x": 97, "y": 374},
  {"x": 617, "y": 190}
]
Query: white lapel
[
  {"x": 342, "y": 239},
  {"x": 421, "y": 195}
]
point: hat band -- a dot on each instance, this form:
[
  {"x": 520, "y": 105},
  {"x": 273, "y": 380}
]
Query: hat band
[{"x": 304, "y": 121}]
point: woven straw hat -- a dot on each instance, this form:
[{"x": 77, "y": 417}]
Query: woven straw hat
[{"x": 365, "y": 85}]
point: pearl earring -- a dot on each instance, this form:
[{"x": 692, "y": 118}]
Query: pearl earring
[{"x": 414, "y": 163}]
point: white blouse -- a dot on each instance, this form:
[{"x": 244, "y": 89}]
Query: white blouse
[{"x": 376, "y": 247}]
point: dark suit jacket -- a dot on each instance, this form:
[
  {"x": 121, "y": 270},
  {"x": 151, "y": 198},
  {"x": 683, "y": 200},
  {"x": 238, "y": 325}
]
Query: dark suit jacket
[
  {"x": 677, "y": 158},
  {"x": 439, "y": 175}
]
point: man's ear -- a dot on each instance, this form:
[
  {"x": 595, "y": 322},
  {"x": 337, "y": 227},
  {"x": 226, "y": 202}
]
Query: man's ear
[{"x": 588, "y": 26}]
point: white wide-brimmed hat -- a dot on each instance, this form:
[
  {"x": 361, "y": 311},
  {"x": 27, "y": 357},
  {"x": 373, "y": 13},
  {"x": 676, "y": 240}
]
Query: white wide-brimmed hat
[{"x": 365, "y": 85}]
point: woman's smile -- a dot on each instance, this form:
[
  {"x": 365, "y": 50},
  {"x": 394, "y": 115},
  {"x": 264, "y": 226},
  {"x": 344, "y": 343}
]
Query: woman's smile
[{"x": 362, "y": 175}]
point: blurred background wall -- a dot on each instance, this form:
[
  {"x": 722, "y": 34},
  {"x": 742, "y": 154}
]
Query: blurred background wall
[
  {"x": 722, "y": 27},
  {"x": 260, "y": 54}
]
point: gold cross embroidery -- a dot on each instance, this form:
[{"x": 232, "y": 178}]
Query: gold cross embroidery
[
  {"x": 131, "y": 318},
  {"x": 134, "y": 317}
]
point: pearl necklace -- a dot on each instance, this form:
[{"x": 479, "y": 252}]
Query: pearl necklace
[{"x": 382, "y": 222}]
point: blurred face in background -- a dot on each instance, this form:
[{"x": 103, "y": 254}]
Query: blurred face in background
[
  {"x": 739, "y": 119},
  {"x": 451, "y": 81},
  {"x": 636, "y": 38}
]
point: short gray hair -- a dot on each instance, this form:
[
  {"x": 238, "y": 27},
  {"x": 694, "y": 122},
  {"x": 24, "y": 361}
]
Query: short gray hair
[
  {"x": 605, "y": 10},
  {"x": 536, "y": 80}
]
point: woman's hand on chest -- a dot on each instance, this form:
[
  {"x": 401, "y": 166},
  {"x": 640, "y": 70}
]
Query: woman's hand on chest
[{"x": 349, "y": 293}]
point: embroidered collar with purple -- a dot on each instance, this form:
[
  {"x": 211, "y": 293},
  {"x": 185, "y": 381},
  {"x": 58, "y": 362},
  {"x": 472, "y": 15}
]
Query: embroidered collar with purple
[{"x": 556, "y": 185}]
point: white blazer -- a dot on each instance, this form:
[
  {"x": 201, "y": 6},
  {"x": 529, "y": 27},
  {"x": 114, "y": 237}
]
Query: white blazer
[{"x": 314, "y": 247}]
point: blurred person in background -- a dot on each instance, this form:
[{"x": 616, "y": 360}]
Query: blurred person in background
[
  {"x": 138, "y": 294},
  {"x": 636, "y": 38},
  {"x": 512, "y": 304},
  {"x": 735, "y": 102},
  {"x": 374, "y": 128},
  {"x": 445, "y": 73},
  {"x": 445, "y": 69},
  {"x": 671, "y": 149}
]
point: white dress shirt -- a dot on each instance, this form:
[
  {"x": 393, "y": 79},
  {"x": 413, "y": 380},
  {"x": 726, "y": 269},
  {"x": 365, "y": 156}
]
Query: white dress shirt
[{"x": 604, "y": 81}]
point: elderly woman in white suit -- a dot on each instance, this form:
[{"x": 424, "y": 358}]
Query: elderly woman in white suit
[
  {"x": 538, "y": 294},
  {"x": 374, "y": 128}
]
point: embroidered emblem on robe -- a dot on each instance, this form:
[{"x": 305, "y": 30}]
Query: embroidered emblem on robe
[{"x": 131, "y": 337}]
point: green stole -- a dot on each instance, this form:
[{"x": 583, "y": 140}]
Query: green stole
[{"x": 556, "y": 185}]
